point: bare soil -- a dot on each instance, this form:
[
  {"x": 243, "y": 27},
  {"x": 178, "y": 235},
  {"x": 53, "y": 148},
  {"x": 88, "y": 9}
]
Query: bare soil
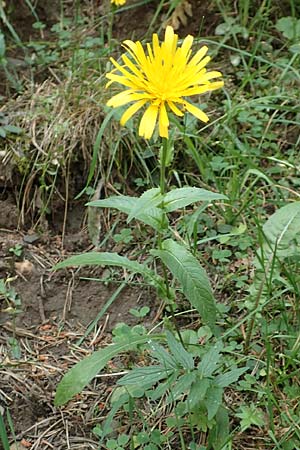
[{"x": 56, "y": 309}]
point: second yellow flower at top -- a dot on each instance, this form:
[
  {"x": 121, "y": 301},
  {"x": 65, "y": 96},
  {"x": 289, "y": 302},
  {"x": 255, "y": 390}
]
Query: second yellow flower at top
[{"x": 118, "y": 2}]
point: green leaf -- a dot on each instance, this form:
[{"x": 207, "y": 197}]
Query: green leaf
[
  {"x": 192, "y": 278},
  {"x": 198, "y": 391},
  {"x": 295, "y": 48},
  {"x": 162, "y": 387},
  {"x": 123, "y": 439},
  {"x": 225, "y": 27},
  {"x": 106, "y": 259},
  {"x": 225, "y": 379},
  {"x": 148, "y": 376},
  {"x": 282, "y": 232},
  {"x": 210, "y": 360},
  {"x": 96, "y": 150},
  {"x": 3, "y": 434},
  {"x": 213, "y": 400},
  {"x": 181, "y": 386},
  {"x": 148, "y": 200},
  {"x": 289, "y": 27},
  {"x": 84, "y": 371},
  {"x": 250, "y": 415},
  {"x": 123, "y": 203},
  {"x": 159, "y": 353},
  {"x": 13, "y": 129},
  {"x": 281, "y": 241},
  {"x": 2, "y": 46},
  {"x": 126, "y": 204},
  {"x": 6, "y": 22},
  {"x": 181, "y": 356},
  {"x": 258, "y": 174},
  {"x": 142, "y": 312},
  {"x": 111, "y": 444},
  {"x": 116, "y": 405},
  {"x": 181, "y": 197},
  {"x": 219, "y": 435}
]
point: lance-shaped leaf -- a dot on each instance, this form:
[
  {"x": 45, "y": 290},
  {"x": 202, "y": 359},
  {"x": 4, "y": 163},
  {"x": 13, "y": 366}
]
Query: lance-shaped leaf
[
  {"x": 141, "y": 376},
  {"x": 181, "y": 197},
  {"x": 192, "y": 277},
  {"x": 213, "y": 400},
  {"x": 109, "y": 259},
  {"x": 210, "y": 360},
  {"x": 225, "y": 379},
  {"x": 182, "y": 357},
  {"x": 147, "y": 201},
  {"x": 84, "y": 371},
  {"x": 150, "y": 215}
]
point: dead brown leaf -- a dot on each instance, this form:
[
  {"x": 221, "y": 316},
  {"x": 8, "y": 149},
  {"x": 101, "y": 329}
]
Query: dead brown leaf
[
  {"x": 180, "y": 15},
  {"x": 19, "y": 446},
  {"x": 24, "y": 267}
]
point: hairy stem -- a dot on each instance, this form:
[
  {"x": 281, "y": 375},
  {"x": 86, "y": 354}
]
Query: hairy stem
[{"x": 163, "y": 184}]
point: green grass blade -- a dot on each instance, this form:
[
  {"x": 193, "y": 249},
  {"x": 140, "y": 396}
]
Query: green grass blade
[
  {"x": 96, "y": 149},
  {"x": 3, "y": 434}
]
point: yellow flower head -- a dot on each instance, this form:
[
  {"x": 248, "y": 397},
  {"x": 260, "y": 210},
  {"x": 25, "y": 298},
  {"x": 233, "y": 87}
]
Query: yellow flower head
[
  {"x": 162, "y": 79},
  {"x": 118, "y": 2}
]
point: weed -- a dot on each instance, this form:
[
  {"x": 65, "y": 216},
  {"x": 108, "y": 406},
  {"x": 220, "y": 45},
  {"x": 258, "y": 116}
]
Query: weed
[
  {"x": 13, "y": 307},
  {"x": 176, "y": 373},
  {"x": 17, "y": 250},
  {"x": 3, "y": 433},
  {"x": 246, "y": 236},
  {"x": 142, "y": 312},
  {"x": 247, "y": 140}
]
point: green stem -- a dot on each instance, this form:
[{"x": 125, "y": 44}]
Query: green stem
[
  {"x": 163, "y": 161},
  {"x": 110, "y": 27},
  {"x": 163, "y": 184},
  {"x": 256, "y": 305},
  {"x": 252, "y": 321}
]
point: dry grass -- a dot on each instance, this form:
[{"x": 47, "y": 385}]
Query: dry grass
[
  {"x": 60, "y": 121},
  {"x": 29, "y": 384}
]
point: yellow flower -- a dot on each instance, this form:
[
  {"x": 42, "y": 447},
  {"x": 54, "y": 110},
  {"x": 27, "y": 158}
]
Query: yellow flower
[
  {"x": 161, "y": 79},
  {"x": 118, "y": 2}
]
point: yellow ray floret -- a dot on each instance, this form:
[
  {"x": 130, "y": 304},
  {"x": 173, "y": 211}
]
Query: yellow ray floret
[
  {"x": 160, "y": 79},
  {"x": 118, "y": 2}
]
